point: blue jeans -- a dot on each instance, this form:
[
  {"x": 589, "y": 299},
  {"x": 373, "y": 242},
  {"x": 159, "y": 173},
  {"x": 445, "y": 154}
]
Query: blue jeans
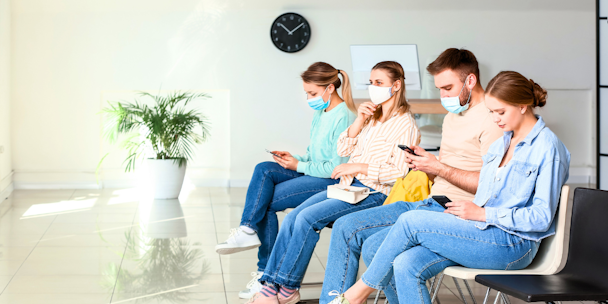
[
  {"x": 423, "y": 243},
  {"x": 299, "y": 235},
  {"x": 273, "y": 189},
  {"x": 362, "y": 233}
]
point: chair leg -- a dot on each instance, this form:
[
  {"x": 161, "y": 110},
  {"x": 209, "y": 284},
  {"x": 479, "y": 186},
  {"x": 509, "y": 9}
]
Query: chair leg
[
  {"x": 470, "y": 292},
  {"x": 437, "y": 289},
  {"x": 377, "y": 296},
  {"x": 505, "y": 298},
  {"x": 464, "y": 299},
  {"x": 432, "y": 284},
  {"x": 497, "y": 297},
  {"x": 485, "y": 299}
]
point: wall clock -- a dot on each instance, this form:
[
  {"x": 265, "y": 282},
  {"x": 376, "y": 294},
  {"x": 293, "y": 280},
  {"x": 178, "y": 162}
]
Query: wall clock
[{"x": 290, "y": 32}]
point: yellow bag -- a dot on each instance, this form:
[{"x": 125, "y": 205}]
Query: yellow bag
[{"x": 414, "y": 187}]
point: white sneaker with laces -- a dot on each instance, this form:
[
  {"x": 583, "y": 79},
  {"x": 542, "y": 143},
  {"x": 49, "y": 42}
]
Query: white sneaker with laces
[
  {"x": 339, "y": 299},
  {"x": 253, "y": 286},
  {"x": 238, "y": 241}
]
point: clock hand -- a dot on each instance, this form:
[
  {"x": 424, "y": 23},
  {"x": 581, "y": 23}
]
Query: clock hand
[
  {"x": 280, "y": 24},
  {"x": 297, "y": 27}
]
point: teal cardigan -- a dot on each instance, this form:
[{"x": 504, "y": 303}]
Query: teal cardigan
[{"x": 321, "y": 155}]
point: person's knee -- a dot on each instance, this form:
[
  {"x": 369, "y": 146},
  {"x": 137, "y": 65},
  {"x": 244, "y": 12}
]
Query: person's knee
[
  {"x": 264, "y": 167},
  {"x": 412, "y": 219},
  {"x": 345, "y": 231},
  {"x": 368, "y": 251},
  {"x": 307, "y": 219},
  {"x": 342, "y": 227},
  {"x": 406, "y": 265},
  {"x": 289, "y": 220}
]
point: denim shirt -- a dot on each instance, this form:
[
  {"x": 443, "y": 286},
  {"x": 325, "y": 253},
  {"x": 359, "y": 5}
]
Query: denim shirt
[{"x": 523, "y": 198}]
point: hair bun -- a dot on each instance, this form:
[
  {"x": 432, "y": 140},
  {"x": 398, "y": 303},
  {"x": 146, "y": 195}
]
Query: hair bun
[{"x": 540, "y": 94}]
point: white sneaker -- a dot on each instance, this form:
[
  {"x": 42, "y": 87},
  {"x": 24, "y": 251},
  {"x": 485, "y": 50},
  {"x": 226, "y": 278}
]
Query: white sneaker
[
  {"x": 238, "y": 241},
  {"x": 253, "y": 286}
]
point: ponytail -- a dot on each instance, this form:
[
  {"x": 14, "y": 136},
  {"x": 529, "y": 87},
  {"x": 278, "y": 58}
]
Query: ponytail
[
  {"x": 323, "y": 74},
  {"x": 347, "y": 94}
]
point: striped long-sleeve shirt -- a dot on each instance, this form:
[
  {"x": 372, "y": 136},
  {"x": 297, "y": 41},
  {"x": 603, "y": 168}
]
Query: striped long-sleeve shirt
[{"x": 379, "y": 150}]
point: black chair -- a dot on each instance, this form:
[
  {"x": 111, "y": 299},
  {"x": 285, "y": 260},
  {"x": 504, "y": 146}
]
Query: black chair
[{"x": 585, "y": 275}]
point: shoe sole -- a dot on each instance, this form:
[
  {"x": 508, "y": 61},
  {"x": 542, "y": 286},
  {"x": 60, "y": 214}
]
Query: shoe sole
[
  {"x": 235, "y": 249},
  {"x": 247, "y": 296},
  {"x": 294, "y": 300}
]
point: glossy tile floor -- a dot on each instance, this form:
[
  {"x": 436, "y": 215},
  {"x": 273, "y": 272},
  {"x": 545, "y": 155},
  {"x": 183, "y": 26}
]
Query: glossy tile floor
[{"x": 111, "y": 246}]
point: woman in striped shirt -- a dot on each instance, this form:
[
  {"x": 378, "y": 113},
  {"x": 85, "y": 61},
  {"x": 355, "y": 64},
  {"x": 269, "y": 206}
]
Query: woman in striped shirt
[{"x": 375, "y": 162}]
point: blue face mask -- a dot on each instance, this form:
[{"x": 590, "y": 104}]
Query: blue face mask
[
  {"x": 317, "y": 103},
  {"x": 452, "y": 104}
]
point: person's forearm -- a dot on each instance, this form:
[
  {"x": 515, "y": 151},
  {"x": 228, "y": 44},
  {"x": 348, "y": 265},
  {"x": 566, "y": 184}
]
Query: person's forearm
[
  {"x": 355, "y": 128},
  {"x": 363, "y": 168},
  {"x": 466, "y": 180}
]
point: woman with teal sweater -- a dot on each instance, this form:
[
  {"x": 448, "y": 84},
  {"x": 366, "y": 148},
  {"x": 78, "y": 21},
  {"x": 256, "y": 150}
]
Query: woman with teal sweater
[{"x": 292, "y": 179}]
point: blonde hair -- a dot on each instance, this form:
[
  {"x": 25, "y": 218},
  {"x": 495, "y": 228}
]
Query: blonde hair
[
  {"x": 324, "y": 74},
  {"x": 394, "y": 71}
]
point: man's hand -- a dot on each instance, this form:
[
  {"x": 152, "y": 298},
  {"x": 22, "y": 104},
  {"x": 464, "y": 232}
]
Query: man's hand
[
  {"x": 348, "y": 169},
  {"x": 466, "y": 210},
  {"x": 286, "y": 160},
  {"x": 425, "y": 161}
]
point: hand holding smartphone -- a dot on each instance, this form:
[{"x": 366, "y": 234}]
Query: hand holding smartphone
[
  {"x": 407, "y": 149},
  {"x": 274, "y": 154},
  {"x": 442, "y": 200}
]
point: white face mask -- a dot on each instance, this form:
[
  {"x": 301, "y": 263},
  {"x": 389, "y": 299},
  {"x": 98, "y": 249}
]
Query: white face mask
[{"x": 378, "y": 94}]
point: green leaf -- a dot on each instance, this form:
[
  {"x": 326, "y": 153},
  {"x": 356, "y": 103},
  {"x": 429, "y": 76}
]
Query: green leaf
[{"x": 167, "y": 127}]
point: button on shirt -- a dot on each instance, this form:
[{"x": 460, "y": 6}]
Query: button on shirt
[{"x": 523, "y": 198}]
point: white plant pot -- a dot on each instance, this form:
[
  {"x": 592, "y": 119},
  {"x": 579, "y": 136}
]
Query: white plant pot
[{"x": 164, "y": 178}]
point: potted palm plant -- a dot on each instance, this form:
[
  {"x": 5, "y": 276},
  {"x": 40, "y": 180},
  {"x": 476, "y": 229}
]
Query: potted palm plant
[{"x": 164, "y": 130}]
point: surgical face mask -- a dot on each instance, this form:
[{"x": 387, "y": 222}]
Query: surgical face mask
[
  {"x": 317, "y": 103},
  {"x": 452, "y": 104},
  {"x": 378, "y": 94}
]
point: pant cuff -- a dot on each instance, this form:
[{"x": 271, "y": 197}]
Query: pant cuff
[
  {"x": 281, "y": 282},
  {"x": 250, "y": 226},
  {"x": 369, "y": 284}
]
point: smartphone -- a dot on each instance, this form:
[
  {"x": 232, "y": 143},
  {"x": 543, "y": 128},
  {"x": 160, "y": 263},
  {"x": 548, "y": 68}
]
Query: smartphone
[
  {"x": 273, "y": 154},
  {"x": 408, "y": 149},
  {"x": 442, "y": 200}
]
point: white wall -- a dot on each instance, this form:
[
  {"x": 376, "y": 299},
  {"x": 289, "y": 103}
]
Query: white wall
[
  {"x": 67, "y": 52},
  {"x": 5, "y": 141}
]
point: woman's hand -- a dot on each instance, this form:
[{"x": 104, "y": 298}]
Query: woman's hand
[
  {"x": 348, "y": 169},
  {"x": 286, "y": 160},
  {"x": 365, "y": 110},
  {"x": 425, "y": 161},
  {"x": 466, "y": 210}
]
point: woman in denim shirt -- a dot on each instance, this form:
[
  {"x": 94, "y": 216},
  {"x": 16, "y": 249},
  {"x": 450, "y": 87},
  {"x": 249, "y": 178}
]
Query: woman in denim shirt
[{"x": 513, "y": 210}]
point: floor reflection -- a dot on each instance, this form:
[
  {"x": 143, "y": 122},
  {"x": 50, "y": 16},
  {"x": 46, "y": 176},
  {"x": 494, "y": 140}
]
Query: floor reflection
[{"x": 159, "y": 263}]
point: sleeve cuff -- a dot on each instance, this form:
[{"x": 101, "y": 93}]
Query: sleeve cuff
[
  {"x": 491, "y": 215},
  {"x": 302, "y": 166},
  {"x": 373, "y": 171},
  {"x": 350, "y": 141},
  {"x": 298, "y": 157}
]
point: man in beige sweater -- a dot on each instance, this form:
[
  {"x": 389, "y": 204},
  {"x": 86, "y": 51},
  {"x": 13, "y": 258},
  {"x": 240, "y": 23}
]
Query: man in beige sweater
[{"x": 468, "y": 132}]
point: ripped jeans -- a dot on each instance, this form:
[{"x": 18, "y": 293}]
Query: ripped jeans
[{"x": 422, "y": 243}]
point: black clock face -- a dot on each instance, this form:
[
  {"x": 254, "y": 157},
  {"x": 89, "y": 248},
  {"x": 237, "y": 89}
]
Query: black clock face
[{"x": 290, "y": 32}]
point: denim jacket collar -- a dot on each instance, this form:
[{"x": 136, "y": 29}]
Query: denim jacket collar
[{"x": 539, "y": 126}]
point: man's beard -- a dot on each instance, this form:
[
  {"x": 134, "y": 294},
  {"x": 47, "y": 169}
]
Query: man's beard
[{"x": 464, "y": 97}]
